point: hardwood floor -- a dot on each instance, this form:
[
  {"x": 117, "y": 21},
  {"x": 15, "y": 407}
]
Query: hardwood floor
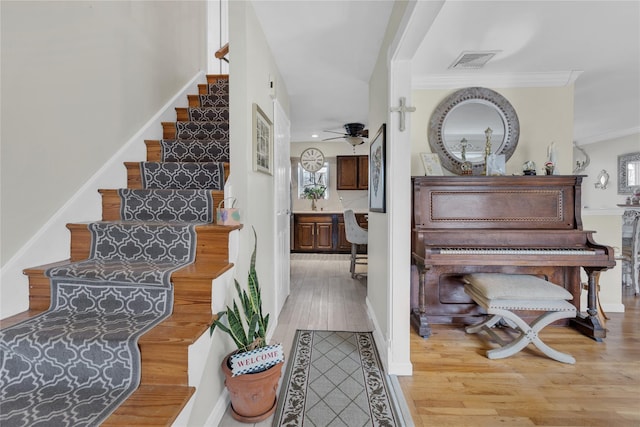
[{"x": 454, "y": 384}]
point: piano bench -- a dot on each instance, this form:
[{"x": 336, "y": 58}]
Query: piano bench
[{"x": 501, "y": 294}]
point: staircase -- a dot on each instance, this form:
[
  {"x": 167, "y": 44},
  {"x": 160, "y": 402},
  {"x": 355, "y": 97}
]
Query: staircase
[{"x": 190, "y": 163}]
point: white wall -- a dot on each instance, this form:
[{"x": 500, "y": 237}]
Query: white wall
[
  {"x": 79, "y": 82},
  {"x": 604, "y": 155},
  {"x": 389, "y": 255}
]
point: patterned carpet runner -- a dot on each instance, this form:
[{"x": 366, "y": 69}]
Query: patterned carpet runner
[
  {"x": 76, "y": 362},
  {"x": 334, "y": 379},
  {"x": 182, "y": 176},
  {"x": 194, "y": 150},
  {"x": 166, "y": 205}
]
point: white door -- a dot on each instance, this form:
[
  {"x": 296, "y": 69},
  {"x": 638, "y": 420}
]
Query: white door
[{"x": 282, "y": 182}]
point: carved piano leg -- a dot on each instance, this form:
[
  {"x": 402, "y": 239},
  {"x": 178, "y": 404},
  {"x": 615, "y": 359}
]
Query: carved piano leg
[
  {"x": 419, "y": 314},
  {"x": 590, "y": 324}
]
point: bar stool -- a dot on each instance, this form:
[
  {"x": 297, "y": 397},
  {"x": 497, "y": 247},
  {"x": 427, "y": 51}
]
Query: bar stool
[{"x": 356, "y": 235}]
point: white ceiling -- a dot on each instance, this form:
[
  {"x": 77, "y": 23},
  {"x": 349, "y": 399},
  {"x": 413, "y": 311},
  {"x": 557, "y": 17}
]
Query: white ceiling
[{"x": 326, "y": 51}]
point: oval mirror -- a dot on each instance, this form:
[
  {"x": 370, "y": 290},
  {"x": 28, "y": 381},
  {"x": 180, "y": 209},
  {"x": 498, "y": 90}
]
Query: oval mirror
[{"x": 457, "y": 128}]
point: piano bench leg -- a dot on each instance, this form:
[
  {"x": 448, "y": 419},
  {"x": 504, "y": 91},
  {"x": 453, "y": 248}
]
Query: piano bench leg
[{"x": 528, "y": 333}]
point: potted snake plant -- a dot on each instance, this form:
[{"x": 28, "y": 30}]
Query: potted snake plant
[{"x": 253, "y": 370}]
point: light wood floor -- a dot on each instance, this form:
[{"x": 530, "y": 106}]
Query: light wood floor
[{"x": 454, "y": 384}]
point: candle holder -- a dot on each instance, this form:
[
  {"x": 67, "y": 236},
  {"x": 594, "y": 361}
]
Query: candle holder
[
  {"x": 466, "y": 167},
  {"x": 487, "y": 148}
]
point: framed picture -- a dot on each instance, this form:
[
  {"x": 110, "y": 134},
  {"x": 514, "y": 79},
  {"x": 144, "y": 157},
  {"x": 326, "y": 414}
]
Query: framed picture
[
  {"x": 262, "y": 141},
  {"x": 377, "y": 172},
  {"x": 431, "y": 163}
]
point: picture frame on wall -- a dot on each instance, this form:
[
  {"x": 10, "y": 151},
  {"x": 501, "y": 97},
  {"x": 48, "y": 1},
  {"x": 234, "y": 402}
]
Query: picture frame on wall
[
  {"x": 377, "y": 171},
  {"x": 262, "y": 141}
]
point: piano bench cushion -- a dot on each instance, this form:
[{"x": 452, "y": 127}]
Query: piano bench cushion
[{"x": 498, "y": 286}]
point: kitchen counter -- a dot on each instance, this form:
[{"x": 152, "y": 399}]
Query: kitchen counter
[{"x": 330, "y": 211}]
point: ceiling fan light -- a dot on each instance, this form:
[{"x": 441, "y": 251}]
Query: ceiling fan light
[{"x": 354, "y": 140}]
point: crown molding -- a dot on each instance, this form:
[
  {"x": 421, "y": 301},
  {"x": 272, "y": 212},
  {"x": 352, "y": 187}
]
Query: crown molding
[{"x": 502, "y": 80}]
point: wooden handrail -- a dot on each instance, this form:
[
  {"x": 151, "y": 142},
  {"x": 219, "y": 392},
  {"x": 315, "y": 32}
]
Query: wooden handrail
[{"x": 223, "y": 52}]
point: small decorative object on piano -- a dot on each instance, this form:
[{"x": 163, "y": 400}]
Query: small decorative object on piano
[
  {"x": 466, "y": 167},
  {"x": 487, "y": 150},
  {"x": 228, "y": 215},
  {"x": 529, "y": 168},
  {"x": 496, "y": 165},
  {"x": 431, "y": 163},
  {"x": 548, "y": 168}
]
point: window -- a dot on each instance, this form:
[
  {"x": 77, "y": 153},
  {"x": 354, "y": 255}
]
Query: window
[{"x": 310, "y": 180}]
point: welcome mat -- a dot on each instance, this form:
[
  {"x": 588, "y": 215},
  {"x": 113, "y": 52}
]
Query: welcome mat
[{"x": 334, "y": 379}]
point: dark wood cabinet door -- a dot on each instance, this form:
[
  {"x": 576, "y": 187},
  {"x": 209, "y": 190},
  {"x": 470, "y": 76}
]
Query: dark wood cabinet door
[
  {"x": 343, "y": 243},
  {"x": 304, "y": 236},
  {"x": 347, "y": 172},
  {"x": 324, "y": 236},
  {"x": 363, "y": 172}
]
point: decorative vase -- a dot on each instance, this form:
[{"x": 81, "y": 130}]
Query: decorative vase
[{"x": 253, "y": 396}]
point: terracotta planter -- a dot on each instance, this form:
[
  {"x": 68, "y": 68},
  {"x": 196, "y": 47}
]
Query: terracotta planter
[{"x": 253, "y": 396}]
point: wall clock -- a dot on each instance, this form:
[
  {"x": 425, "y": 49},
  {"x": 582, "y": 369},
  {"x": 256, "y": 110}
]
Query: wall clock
[{"x": 312, "y": 159}]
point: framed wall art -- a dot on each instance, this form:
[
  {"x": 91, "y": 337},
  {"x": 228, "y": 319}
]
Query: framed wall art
[
  {"x": 431, "y": 163},
  {"x": 262, "y": 141},
  {"x": 377, "y": 171}
]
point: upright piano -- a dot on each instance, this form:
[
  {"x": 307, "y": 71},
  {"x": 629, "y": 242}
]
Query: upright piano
[{"x": 500, "y": 224}]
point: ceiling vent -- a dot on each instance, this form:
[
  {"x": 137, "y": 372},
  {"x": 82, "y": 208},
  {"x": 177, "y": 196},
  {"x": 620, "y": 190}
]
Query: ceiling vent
[{"x": 473, "y": 60}]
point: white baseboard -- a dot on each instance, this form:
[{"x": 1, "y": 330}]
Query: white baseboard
[
  {"x": 219, "y": 409},
  {"x": 613, "y": 308}
]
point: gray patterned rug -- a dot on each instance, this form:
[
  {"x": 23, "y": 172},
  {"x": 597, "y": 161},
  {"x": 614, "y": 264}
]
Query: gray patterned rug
[
  {"x": 334, "y": 379},
  {"x": 75, "y": 363}
]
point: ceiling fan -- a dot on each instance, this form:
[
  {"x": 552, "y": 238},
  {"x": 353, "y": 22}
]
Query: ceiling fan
[{"x": 355, "y": 134}]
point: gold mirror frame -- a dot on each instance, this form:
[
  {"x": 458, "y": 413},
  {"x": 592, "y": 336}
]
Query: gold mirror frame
[{"x": 483, "y": 96}]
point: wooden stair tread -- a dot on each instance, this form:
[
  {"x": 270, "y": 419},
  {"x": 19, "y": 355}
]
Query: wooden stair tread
[
  {"x": 151, "y": 405},
  {"x": 17, "y": 318},
  {"x": 178, "y": 329},
  {"x": 201, "y": 271},
  {"x": 212, "y": 78}
]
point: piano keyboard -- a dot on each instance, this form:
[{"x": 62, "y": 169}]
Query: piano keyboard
[{"x": 516, "y": 251}]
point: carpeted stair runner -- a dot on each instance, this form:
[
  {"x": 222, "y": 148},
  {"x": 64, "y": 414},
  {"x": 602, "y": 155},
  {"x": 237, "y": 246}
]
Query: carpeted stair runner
[
  {"x": 203, "y": 130},
  {"x": 194, "y": 150},
  {"x": 218, "y": 95},
  {"x": 182, "y": 175},
  {"x": 75, "y": 363},
  {"x": 212, "y": 114},
  {"x": 166, "y": 205}
]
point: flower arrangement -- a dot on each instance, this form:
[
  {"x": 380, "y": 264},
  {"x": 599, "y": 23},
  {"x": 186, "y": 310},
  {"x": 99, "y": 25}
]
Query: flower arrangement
[{"x": 314, "y": 191}]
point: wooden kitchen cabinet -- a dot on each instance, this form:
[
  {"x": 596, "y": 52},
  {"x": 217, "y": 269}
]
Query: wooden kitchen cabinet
[
  {"x": 313, "y": 233},
  {"x": 322, "y": 233},
  {"x": 352, "y": 172}
]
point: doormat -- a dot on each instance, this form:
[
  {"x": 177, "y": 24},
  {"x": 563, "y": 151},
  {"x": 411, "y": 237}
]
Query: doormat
[{"x": 334, "y": 379}]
